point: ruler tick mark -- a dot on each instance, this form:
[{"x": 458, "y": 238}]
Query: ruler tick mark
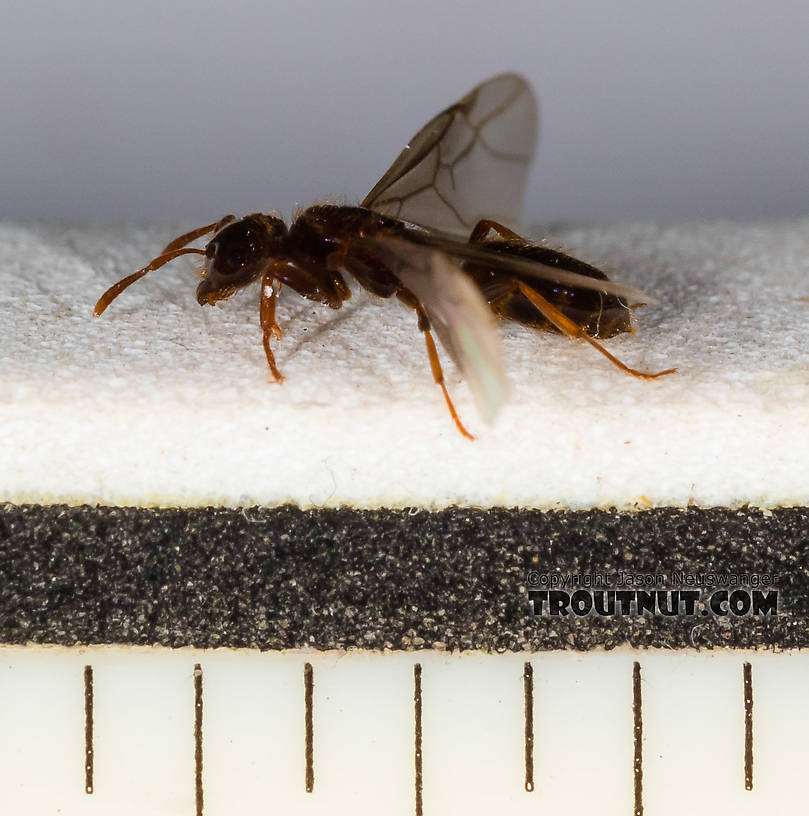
[
  {"x": 747, "y": 675},
  {"x": 528, "y": 691},
  {"x": 417, "y": 701},
  {"x": 88, "y": 729},
  {"x": 637, "y": 735},
  {"x": 198, "y": 793},
  {"x": 308, "y": 694}
]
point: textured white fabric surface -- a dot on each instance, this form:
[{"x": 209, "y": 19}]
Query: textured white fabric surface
[{"x": 161, "y": 402}]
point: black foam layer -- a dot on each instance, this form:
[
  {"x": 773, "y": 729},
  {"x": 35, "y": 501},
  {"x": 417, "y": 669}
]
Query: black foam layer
[{"x": 273, "y": 578}]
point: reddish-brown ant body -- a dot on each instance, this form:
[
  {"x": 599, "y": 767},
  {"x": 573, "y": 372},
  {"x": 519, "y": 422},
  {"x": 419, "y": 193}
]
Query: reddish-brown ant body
[{"x": 423, "y": 235}]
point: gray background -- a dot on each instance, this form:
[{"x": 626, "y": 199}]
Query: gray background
[{"x": 177, "y": 110}]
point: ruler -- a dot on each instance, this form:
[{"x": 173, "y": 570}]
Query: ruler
[{"x": 130, "y": 730}]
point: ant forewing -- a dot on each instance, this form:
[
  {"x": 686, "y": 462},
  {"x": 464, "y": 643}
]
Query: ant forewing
[{"x": 431, "y": 233}]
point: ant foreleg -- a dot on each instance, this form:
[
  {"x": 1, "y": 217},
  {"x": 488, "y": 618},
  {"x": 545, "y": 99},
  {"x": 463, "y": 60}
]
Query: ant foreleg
[
  {"x": 268, "y": 325},
  {"x": 573, "y": 330}
]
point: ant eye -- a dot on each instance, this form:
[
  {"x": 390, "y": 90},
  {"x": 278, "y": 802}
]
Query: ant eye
[{"x": 231, "y": 262}]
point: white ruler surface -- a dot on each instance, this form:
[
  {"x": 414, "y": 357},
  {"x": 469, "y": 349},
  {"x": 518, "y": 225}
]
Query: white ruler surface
[{"x": 127, "y": 730}]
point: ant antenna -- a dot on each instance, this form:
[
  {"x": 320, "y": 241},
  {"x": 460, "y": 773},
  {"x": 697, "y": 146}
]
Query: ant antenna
[
  {"x": 169, "y": 253},
  {"x": 126, "y": 282}
]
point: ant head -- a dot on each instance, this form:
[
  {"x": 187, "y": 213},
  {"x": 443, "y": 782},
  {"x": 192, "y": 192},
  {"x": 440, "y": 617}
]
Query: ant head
[{"x": 239, "y": 253}]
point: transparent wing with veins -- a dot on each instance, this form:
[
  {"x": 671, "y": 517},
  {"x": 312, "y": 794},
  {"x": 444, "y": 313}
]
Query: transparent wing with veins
[{"x": 470, "y": 162}]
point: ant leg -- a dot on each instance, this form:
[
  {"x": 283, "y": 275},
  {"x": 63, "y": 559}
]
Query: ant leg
[
  {"x": 485, "y": 226},
  {"x": 409, "y": 299},
  {"x": 268, "y": 324},
  {"x": 571, "y": 329},
  {"x": 438, "y": 375}
]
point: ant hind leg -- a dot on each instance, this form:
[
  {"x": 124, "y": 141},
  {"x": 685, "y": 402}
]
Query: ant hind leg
[
  {"x": 486, "y": 225},
  {"x": 573, "y": 330}
]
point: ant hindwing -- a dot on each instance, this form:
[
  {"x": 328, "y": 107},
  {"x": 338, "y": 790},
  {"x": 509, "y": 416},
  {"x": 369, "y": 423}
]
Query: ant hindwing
[{"x": 431, "y": 233}]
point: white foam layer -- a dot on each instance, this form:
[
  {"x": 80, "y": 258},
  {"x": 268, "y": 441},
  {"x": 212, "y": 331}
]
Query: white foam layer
[{"x": 163, "y": 402}]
